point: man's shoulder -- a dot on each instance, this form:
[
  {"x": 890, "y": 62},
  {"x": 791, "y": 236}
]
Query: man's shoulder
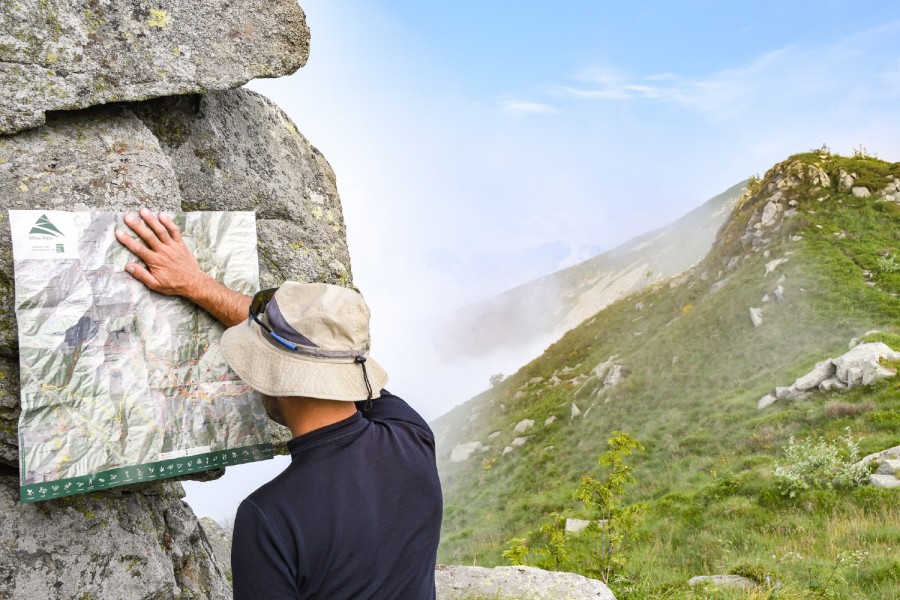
[{"x": 389, "y": 408}]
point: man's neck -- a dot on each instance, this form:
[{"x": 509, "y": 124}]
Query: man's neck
[{"x": 304, "y": 415}]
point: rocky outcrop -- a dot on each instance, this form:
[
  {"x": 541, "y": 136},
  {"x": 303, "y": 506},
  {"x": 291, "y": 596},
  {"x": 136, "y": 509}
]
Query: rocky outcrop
[
  {"x": 516, "y": 583},
  {"x": 220, "y": 541},
  {"x": 57, "y": 55},
  {"x": 103, "y": 99},
  {"x": 140, "y": 543},
  {"x": 860, "y": 366},
  {"x": 886, "y": 474}
]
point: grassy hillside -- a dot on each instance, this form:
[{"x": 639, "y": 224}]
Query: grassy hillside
[{"x": 694, "y": 368}]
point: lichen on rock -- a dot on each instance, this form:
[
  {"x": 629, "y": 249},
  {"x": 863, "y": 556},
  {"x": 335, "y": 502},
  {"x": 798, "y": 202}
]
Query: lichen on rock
[{"x": 57, "y": 55}]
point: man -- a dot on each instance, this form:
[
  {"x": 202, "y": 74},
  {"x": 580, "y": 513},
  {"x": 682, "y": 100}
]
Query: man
[{"x": 357, "y": 513}]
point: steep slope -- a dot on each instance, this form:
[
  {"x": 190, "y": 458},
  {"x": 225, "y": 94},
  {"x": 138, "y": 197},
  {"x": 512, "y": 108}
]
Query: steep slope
[
  {"x": 681, "y": 366},
  {"x": 560, "y": 301}
]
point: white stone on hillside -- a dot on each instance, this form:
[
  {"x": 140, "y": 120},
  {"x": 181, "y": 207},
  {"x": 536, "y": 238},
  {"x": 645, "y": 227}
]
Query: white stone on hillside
[
  {"x": 779, "y": 294},
  {"x": 822, "y": 371},
  {"x": 614, "y": 376},
  {"x": 523, "y": 425},
  {"x": 601, "y": 369},
  {"x": 506, "y": 451},
  {"x": 519, "y": 441},
  {"x": 493, "y": 435},
  {"x": 846, "y": 180},
  {"x": 887, "y": 482},
  {"x": 463, "y": 582},
  {"x": 860, "y": 366},
  {"x": 860, "y": 192},
  {"x": 889, "y": 467},
  {"x": 576, "y": 525},
  {"x": 765, "y": 401},
  {"x": 756, "y": 316},
  {"x": 770, "y": 211},
  {"x": 549, "y": 420},
  {"x": 829, "y": 385},
  {"x": 888, "y": 454},
  {"x": 575, "y": 411},
  {"x": 464, "y": 452},
  {"x": 718, "y": 285},
  {"x": 774, "y": 264}
]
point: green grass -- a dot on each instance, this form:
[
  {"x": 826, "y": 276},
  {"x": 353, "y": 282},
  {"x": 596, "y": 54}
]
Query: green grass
[{"x": 696, "y": 370}]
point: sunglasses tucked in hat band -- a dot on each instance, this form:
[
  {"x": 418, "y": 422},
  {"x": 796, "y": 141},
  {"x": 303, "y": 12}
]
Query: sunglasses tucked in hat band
[
  {"x": 264, "y": 302},
  {"x": 306, "y": 340}
]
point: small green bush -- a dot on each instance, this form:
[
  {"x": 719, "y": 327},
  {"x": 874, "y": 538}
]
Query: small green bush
[
  {"x": 818, "y": 463},
  {"x": 889, "y": 264}
]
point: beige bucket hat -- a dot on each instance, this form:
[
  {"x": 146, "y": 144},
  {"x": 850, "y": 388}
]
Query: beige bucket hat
[{"x": 306, "y": 339}]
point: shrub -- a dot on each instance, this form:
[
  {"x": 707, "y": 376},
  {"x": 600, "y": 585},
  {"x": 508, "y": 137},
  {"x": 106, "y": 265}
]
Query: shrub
[
  {"x": 818, "y": 463},
  {"x": 839, "y": 409},
  {"x": 889, "y": 264}
]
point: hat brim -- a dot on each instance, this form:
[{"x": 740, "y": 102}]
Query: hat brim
[{"x": 274, "y": 371}]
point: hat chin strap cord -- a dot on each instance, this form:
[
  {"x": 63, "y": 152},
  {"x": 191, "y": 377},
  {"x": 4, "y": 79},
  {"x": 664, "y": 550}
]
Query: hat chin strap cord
[{"x": 362, "y": 362}]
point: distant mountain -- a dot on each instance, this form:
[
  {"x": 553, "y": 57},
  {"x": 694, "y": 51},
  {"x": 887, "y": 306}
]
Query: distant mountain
[
  {"x": 498, "y": 271},
  {"x": 553, "y": 304},
  {"x": 716, "y": 372}
]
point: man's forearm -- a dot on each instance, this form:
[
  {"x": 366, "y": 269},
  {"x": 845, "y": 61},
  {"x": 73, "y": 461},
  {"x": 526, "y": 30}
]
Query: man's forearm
[{"x": 228, "y": 306}]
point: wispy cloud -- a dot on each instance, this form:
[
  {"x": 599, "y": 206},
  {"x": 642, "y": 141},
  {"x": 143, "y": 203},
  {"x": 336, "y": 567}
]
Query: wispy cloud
[
  {"x": 844, "y": 70},
  {"x": 524, "y": 108}
]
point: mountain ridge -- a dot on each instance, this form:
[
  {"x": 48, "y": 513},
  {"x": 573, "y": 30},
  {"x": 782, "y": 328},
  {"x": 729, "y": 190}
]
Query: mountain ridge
[{"x": 555, "y": 303}]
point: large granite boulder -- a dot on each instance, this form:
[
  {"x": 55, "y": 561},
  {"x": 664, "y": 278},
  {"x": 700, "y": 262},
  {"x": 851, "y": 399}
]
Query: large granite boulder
[
  {"x": 71, "y": 54},
  {"x": 133, "y": 544},
  {"x": 516, "y": 583},
  {"x": 232, "y": 150}
]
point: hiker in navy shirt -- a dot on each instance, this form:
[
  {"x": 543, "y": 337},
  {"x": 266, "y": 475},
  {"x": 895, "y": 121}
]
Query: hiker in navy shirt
[{"x": 357, "y": 513}]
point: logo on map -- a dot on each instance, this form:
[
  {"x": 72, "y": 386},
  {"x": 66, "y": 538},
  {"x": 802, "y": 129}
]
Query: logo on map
[
  {"x": 43, "y": 226},
  {"x": 44, "y": 234}
]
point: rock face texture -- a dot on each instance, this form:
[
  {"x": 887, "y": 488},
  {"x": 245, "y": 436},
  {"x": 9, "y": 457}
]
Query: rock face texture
[
  {"x": 520, "y": 583},
  {"x": 128, "y": 543},
  {"x": 220, "y": 540},
  {"x": 63, "y": 55},
  {"x": 112, "y": 105}
]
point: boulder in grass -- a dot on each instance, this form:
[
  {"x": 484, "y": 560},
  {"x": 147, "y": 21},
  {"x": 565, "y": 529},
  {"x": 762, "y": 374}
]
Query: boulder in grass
[{"x": 465, "y": 583}]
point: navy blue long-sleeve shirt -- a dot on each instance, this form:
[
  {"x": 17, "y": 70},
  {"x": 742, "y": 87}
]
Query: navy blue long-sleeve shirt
[{"x": 357, "y": 514}]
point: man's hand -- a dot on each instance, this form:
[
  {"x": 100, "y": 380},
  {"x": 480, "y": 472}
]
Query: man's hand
[{"x": 170, "y": 268}]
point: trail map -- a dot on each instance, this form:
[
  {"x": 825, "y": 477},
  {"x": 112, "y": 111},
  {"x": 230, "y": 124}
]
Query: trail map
[{"x": 120, "y": 384}]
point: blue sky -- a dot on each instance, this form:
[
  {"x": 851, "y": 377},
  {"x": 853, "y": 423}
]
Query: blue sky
[{"x": 465, "y": 131}]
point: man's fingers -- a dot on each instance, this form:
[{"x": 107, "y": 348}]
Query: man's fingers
[
  {"x": 151, "y": 221},
  {"x": 143, "y": 275},
  {"x": 171, "y": 227},
  {"x": 145, "y": 233},
  {"x": 137, "y": 248}
]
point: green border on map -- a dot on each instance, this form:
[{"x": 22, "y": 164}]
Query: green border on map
[{"x": 154, "y": 471}]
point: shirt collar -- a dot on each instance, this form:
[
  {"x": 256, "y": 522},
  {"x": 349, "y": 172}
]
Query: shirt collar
[{"x": 330, "y": 434}]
